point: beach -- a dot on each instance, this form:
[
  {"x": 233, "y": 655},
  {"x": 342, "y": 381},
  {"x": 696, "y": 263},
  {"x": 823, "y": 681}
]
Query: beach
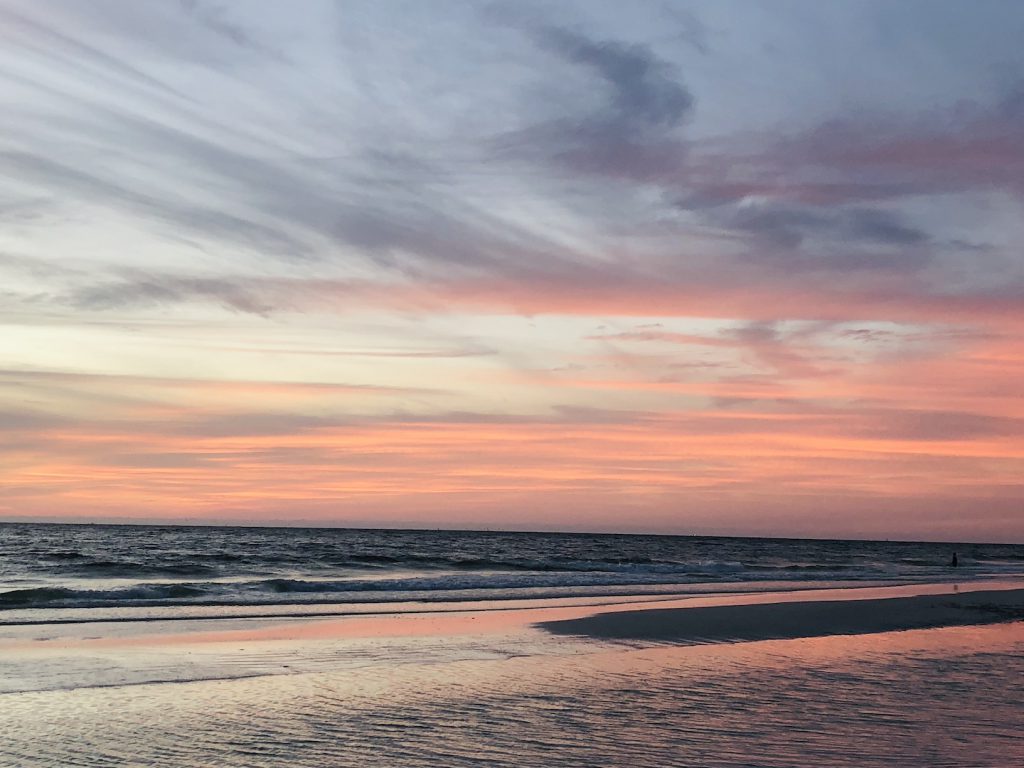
[{"x": 690, "y": 681}]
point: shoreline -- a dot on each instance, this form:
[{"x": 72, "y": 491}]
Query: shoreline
[
  {"x": 786, "y": 620},
  {"x": 48, "y": 657},
  {"x": 730, "y": 593},
  {"x": 688, "y": 619}
]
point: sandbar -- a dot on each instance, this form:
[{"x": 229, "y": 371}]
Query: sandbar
[{"x": 789, "y": 620}]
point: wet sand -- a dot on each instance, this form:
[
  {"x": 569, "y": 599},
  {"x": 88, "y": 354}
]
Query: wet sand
[
  {"x": 938, "y": 698},
  {"x": 790, "y": 620}
]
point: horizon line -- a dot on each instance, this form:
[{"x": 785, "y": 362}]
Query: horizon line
[{"x": 319, "y": 525}]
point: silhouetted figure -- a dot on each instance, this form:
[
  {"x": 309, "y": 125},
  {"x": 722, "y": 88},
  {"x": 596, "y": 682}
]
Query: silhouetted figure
[{"x": 955, "y": 562}]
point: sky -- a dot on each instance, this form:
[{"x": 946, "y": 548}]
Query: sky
[{"x": 686, "y": 267}]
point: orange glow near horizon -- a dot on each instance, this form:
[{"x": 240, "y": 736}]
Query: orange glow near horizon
[
  {"x": 793, "y": 432},
  {"x": 532, "y": 474}
]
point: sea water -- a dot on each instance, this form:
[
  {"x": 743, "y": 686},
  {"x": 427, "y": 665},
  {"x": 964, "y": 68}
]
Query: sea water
[{"x": 107, "y": 567}]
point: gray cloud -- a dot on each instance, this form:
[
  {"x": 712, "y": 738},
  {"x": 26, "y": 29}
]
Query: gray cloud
[
  {"x": 41, "y": 269},
  {"x": 633, "y": 134},
  {"x": 967, "y": 145},
  {"x": 167, "y": 209},
  {"x": 815, "y": 238},
  {"x": 23, "y": 420},
  {"x": 880, "y": 226},
  {"x": 393, "y": 208},
  {"x": 73, "y": 53},
  {"x": 939, "y": 426},
  {"x": 165, "y": 290},
  {"x": 644, "y": 91},
  {"x": 791, "y": 225},
  {"x": 216, "y": 19}
]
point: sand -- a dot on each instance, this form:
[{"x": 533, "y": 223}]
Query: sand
[{"x": 790, "y": 620}]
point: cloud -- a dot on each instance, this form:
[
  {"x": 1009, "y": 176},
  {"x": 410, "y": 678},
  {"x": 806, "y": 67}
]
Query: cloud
[
  {"x": 797, "y": 239},
  {"x": 174, "y": 165},
  {"x": 45, "y": 39},
  {"x": 227, "y": 385},
  {"x": 644, "y": 91},
  {"x": 149, "y": 291},
  {"x": 942, "y": 426},
  {"x": 881, "y": 227},
  {"x": 168, "y": 209},
  {"x": 35, "y": 267},
  {"x": 769, "y": 358},
  {"x": 27, "y": 421},
  {"x": 216, "y": 19},
  {"x": 870, "y": 295},
  {"x": 648, "y": 464},
  {"x": 664, "y": 337},
  {"x": 846, "y": 195},
  {"x": 969, "y": 145},
  {"x": 632, "y": 134},
  {"x": 962, "y": 149},
  {"x": 789, "y": 226}
]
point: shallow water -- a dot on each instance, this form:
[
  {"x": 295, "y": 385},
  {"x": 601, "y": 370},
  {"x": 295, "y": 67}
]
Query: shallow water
[{"x": 944, "y": 697}]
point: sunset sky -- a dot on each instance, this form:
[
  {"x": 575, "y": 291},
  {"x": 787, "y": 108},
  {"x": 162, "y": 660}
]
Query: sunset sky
[{"x": 686, "y": 267}]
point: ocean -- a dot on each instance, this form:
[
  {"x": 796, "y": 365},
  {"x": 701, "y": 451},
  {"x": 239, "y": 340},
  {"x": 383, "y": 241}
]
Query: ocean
[
  {"x": 138, "y": 570},
  {"x": 59, "y": 567}
]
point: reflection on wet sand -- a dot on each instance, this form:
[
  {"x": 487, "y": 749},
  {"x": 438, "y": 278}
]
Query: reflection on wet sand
[{"x": 942, "y": 697}]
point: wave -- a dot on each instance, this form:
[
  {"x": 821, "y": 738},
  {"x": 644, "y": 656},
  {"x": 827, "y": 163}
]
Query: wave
[
  {"x": 552, "y": 565},
  {"x": 504, "y": 585},
  {"x": 199, "y": 565},
  {"x": 65, "y": 555},
  {"x": 25, "y": 598},
  {"x": 195, "y": 565},
  {"x": 121, "y": 569}
]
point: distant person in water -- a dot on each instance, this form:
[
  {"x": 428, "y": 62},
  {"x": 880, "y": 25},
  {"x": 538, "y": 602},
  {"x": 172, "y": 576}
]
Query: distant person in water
[{"x": 955, "y": 562}]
